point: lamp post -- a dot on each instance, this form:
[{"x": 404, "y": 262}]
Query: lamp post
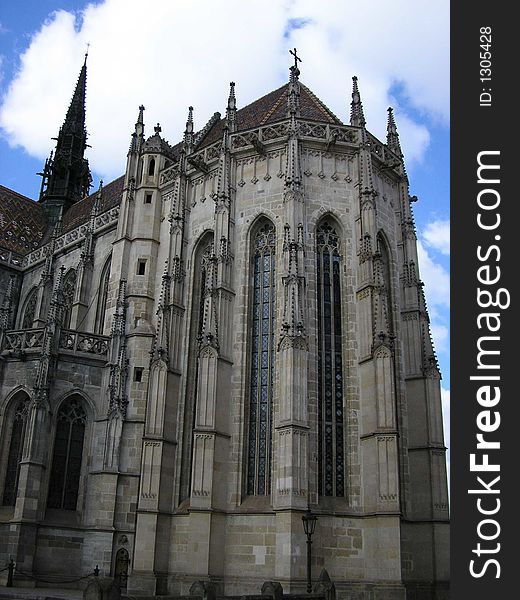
[{"x": 309, "y": 526}]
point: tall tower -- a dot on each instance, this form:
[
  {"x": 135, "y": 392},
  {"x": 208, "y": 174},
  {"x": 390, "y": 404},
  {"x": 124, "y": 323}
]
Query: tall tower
[{"x": 66, "y": 174}]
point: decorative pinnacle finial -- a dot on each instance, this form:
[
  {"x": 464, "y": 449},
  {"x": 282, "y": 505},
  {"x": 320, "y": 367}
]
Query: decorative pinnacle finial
[
  {"x": 357, "y": 118},
  {"x": 231, "y": 109},
  {"x": 392, "y": 137},
  {"x": 188, "y": 132},
  {"x": 140, "y": 118},
  {"x": 189, "y": 122},
  {"x": 86, "y": 53},
  {"x": 391, "y": 127},
  {"x": 157, "y": 129},
  {"x": 232, "y": 103}
]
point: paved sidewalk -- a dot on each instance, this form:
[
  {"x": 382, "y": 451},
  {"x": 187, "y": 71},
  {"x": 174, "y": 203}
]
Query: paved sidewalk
[{"x": 21, "y": 593}]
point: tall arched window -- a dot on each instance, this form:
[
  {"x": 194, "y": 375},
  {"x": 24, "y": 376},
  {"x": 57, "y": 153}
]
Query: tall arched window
[
  {"x": 262, "y": 360},
  {"x": 331, "y": 463},
  {"x": 102, "y": 298},
  {"x": 386, "y": 290},
  {"x": 29, "y": 312},
  {"x": 203, "y": 254},
  {"x": 14, "y": 457},
  {"x": 67, "y": 455},
  {"x": 69, "y": 287}
]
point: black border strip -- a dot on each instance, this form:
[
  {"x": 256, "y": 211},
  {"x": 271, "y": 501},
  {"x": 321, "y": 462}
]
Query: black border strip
[{"x": 478, "y": 125}]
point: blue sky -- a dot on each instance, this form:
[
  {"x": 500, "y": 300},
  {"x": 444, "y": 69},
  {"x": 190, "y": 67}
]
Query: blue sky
[{"x": 167, "y": 54}]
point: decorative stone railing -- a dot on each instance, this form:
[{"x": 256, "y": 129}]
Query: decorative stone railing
[
  {"x": 89, "y": 343},
  {"x": 28, "y": 340},
  {"x": 23, "y": 340},
  {"x": 13, "y": 259},
  {"x": 255, "y": 138},
  {"x": 72, "y": 237}
]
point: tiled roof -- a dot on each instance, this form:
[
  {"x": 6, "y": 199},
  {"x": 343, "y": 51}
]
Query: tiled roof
[
  {"x": 272, "y": 108},
  {"x": 80, "y": 212},
  {"x": 22, "y": 222}
]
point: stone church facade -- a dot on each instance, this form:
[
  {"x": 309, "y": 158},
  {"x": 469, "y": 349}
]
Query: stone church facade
[{"x": 232, "y": 332}]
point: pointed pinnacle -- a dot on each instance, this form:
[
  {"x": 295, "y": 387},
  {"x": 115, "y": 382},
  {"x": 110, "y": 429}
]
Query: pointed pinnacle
[
  {"x": 357, "y": 118},
  {"x": 232, "y": 104},
  {"x": 188, "y": 132},
  {"x": 231, "y": 109},
  {"x": 189, "y": 122},
  {"x": 392, "y": 137},
  {"x": 140, "y": 118},
  {"x": 75, "y": 118}
]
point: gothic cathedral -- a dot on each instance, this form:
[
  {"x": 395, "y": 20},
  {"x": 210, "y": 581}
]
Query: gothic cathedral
[{"x": 228, "y": 335}]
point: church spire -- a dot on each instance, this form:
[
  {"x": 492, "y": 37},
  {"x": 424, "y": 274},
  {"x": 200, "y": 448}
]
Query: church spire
[
  {"x": 67, "y": 176},
  {"x": 392, "y": 137},
  {"x": 75, "y": 118},
  {"x": 357, "y": 118}
]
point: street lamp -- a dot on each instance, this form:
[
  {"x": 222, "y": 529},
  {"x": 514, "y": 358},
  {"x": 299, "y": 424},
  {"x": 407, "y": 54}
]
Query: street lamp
[{"x": 309, "y": 526}]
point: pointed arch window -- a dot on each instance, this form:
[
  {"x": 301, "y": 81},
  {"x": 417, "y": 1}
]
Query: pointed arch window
[
  {"x": 29, "y": 313},
  {"x": 69, "y": 288},
  {"x": 151, "y": 167},
  {"x": 203, "y": 255},
  {"x": 67, "y": 456},
  {"x": 12, "y": 473},
  {"x": 102, "y": 298},
  {"x": 385, "y": 283},
  {"x": 331, "y": 460},
  {"x": 262, "y": 360}
]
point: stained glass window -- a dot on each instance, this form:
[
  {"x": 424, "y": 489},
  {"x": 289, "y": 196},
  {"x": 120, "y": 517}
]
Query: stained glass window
[
  {"x": 331, "y": 460},
  {"x": 385, "y": 267},
  {"x": 102, "y": 298},
  {"x": 67, "y": 456},
  {"x": 69, "y": 287},
  {"x": 12, "y": 473},
  {"x": 205, "y": 253},
  {"x": 30, "y": 310},
  {"x": 262, "y": 361}
]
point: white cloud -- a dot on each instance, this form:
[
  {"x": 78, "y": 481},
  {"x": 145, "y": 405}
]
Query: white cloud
[
  {"x": 441, "y": 335},
  {"x": 437, "y": 236},
  {"x": 437, "y": 290},
  {"x": 435, "y": 277},
  {"x": 170, "y": 54}
]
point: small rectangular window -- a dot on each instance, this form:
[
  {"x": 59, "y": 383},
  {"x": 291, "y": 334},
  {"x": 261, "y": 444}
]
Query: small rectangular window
[
  {"x": 138, "y": 374},
  {"x": 148, "y": 198},
  {"x": 141, "y": 266}
]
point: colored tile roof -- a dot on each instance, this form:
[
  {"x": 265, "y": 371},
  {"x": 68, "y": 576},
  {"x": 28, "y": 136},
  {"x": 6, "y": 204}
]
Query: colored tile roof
[
  {"x": 22, "y": 222},
  {"x": 80, "y": 212},
  {"x": 272, "y": 108}
]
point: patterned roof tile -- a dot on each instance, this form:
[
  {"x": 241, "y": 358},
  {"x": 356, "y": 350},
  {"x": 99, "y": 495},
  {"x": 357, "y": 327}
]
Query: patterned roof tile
[{"x": 22, "y": 222}]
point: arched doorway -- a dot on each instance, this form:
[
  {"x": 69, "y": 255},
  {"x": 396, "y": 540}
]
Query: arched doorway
[{"x": 121, "y": 567}]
